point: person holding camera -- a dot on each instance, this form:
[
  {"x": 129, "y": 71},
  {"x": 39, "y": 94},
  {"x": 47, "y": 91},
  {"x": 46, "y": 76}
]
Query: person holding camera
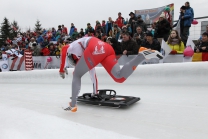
[{"x": 34, "y": 47}]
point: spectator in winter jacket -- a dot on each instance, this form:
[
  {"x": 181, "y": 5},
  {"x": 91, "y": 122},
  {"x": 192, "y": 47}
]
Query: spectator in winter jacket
[
  {"x": 150, "y": 42},
  {"x": 139, "y": 36},
  {"x": 120, "y": 20},
  {"x": 186, "y": 20},
  {"x": 115, "y": 44},
  {"x": 188, "y": 8},
  {"x": 132, "y": 22},
  {"x": 64, "y": 30},
  {"x": 75, "y": 34},
  {"x": 141, "y": 23},
  {"x": 39, "y": 38},
  {"x": 104, "y": 26},
  {"x": 45, "y": 51},
  {"x": 116, "y": 31},
  {"x": 99, "y": 28},
  {"x": 128, "y": 45},
  {"x": 89, "y": 29},
  {"x": 175, "y": 43},
  {"x": 44, "y": 43},
  {"x": 81, "y": 32},
  {"x": 126, "y": 29},
  {"x": 162, "y": 28},
  {"x": 53, "y": 32},
  {"x": 205, "y": 31},
  {"x": 153, "y": 28},
  {"x": 32, "y": 42},
  {"x": 59, "y": 31},
  {"x": 202, "y": 46},
  {"x": 71, "y": 29},
  {"x": 96, "y": 23},
  {"x": 51, "y": 48},
  {"x": 109, "y": 26}
]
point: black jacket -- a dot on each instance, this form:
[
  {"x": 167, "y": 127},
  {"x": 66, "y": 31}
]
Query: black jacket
[
  {"x": 139, "y": 41},
  {"x": 154, "y": 46},
  {"x": 116, "y": 46},
  {"x": 162, "y": 29},
  {"x": 199, "y": 46},
  {"x": 131, "y": 46}
]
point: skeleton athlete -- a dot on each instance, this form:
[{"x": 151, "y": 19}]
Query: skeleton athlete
[{"x": 89, "y": 52}]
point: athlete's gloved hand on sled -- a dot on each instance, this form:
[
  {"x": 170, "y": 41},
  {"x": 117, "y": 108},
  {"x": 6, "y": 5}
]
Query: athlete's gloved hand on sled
[{"x": 62, "y": 74}]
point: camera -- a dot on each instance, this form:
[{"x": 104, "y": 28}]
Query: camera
[{"x": 34, "y": 44}]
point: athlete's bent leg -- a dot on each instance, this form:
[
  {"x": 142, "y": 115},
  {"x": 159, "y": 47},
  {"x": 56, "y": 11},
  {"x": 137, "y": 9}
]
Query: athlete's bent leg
[{"x": 121, "y": 74}]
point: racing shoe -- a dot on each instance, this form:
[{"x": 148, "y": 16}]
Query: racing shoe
[
  {"x": 70, "y": 108},
  {"x": 149, "y": 54}
]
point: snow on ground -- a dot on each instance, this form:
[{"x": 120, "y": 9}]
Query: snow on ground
[{"x": 173, "y": 105}]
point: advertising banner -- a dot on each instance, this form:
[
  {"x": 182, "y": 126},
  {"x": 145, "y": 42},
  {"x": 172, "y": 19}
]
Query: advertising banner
[
  {"x": 4, "y": 66},
  {"x": 150, "y": 16}
]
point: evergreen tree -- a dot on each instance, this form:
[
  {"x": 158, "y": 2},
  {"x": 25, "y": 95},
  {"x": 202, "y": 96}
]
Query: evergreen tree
[
  {"x": 38, "y": 26},
  {"x": 15, "y": 29},
  {"x": 5, "y": 31}
]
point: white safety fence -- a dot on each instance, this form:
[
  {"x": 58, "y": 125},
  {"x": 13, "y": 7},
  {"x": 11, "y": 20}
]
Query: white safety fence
[{"x": 40, "y": 62}]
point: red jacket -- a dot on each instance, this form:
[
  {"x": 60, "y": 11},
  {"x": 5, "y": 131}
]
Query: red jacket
[
  {"x": 45, "y": 51},
  {"x": 119, "y": 21},
  {"x": 64, "y": 30}
]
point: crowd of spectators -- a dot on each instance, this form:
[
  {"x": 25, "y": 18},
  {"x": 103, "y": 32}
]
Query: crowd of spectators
[{"x": 126, "y": 37}]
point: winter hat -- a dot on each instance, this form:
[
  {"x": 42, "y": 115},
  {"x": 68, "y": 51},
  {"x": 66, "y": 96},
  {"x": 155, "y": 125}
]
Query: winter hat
[
  {"x": 167, "y": 8},
  {"x": 131, "y": 13},
  {"x": 139, "y": 16},
  {"x": 183, "y": 7}
]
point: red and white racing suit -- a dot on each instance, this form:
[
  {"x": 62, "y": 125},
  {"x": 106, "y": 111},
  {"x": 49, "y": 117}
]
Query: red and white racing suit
[{"x": 91, "y": 51}]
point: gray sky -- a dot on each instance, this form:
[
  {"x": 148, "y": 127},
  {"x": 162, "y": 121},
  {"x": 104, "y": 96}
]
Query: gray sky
[{"x": 52, "y": 13}]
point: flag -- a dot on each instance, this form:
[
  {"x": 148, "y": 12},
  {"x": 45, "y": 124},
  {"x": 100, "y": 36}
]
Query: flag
[
  {"x": 190, "y": 43},
  {"x": 178, "y": 28},
  {"x": 165, "y": 49}
]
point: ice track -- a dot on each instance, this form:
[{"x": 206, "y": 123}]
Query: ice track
[{"x": 173, "y": 105}]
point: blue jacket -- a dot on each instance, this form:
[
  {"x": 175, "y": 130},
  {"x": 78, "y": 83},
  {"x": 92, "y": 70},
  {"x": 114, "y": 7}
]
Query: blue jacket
[
  {"x": 192, "y": 12},
  {"x": 106, "y": 27},
  {"x": 71, "y": 30},
  {"x": 187, "y": 18},
  {"x": 40, "y": 39}
]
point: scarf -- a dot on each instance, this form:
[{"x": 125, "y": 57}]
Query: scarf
[{"x": 174, "y": 41}]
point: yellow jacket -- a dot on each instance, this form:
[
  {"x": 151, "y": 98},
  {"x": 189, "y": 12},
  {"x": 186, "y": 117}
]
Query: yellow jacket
[{"x": 178, "y": 48}]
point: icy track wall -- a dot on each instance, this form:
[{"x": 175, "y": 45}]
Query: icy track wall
[{"x": 173, "y": 74}]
